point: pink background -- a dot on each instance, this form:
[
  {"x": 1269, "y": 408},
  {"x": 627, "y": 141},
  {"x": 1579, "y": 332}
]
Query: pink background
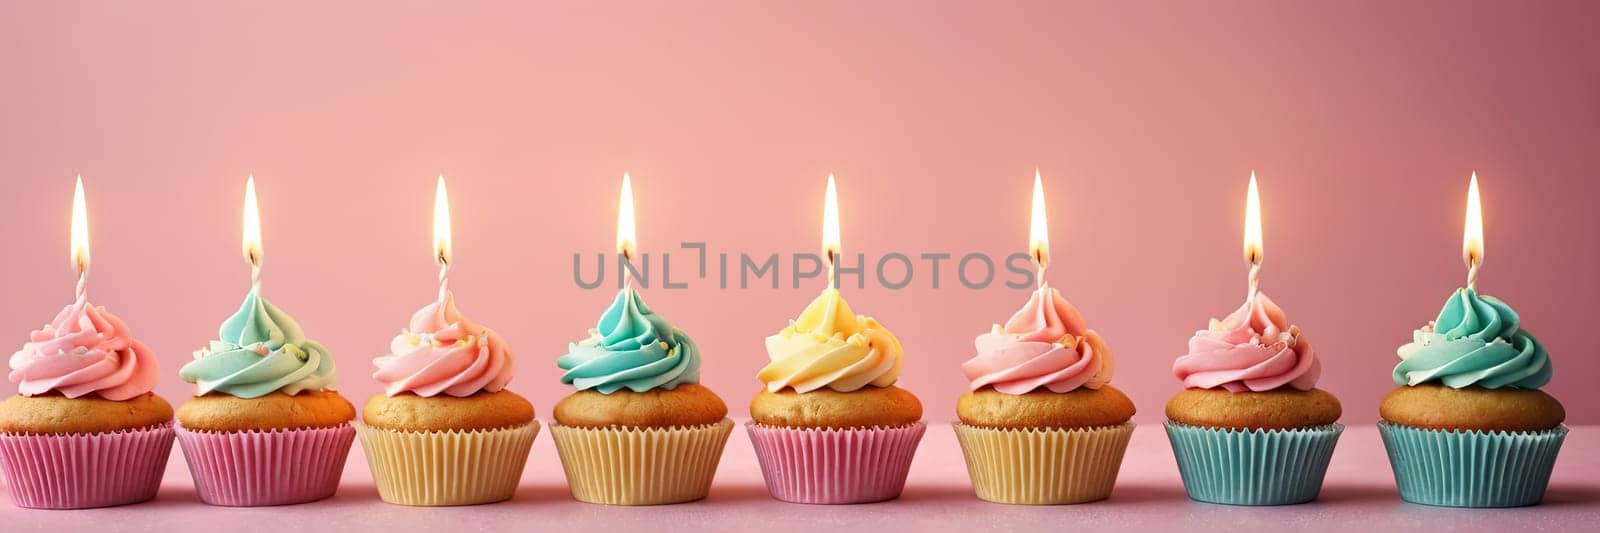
[{"x": 1363, "y": 121}]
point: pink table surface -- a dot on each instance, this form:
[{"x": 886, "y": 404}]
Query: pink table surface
[{"x": 1359, "y": 493}]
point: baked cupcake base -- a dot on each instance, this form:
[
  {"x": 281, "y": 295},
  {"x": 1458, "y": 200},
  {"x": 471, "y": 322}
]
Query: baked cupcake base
[
  {"x": 1459, "y": 468},
  {"x": 835, "y": 465},
  {"x": 1253, "y": 466},
  {"x": 451, "y": 467},
  {"x": 262, "y": 468},
  {"x": 85, "y": 470},
  {"x": 1043, "y": 466},
  {"x": 624, "y": 465}
]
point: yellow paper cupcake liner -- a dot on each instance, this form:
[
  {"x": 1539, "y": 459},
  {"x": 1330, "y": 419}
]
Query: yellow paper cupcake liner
[
  {"x": 1043, "y": 466},
  {"x": 640, "y": 466},
  {"x": 438, "y": 468}
]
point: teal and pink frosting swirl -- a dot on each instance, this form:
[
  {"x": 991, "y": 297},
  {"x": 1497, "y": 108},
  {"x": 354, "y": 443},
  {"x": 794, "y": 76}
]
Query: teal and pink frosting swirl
[
  {"x": 259, "y": 350},
  {"x": 444, "y": 353},
  {"x": 631, "y": 348},
  {"x": 84, "y": 350},
  {"x": 1477, "y": 340},
  {"x": 1045, "y": 345},
  {"x": 1254, "y": 349}
]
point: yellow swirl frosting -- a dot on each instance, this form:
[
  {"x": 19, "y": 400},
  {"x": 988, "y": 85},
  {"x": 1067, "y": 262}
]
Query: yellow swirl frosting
[{"x": 830, "y": 346}]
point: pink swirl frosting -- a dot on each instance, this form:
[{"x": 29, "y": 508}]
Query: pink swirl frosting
[
  {"x": 444, "y": 352},
  {"x": 1045, "y": 344},
  {"x": 1253, "y": 349},
  {"x": 84, "y": 350}
]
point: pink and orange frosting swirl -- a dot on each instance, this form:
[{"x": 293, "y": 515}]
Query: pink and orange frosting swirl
[
  {"x": 1253, "y": 349},
  {"x": 1044, "y": 345},
  {"x": 85, "y": 350},
  {"x": 443, "y": 352}
]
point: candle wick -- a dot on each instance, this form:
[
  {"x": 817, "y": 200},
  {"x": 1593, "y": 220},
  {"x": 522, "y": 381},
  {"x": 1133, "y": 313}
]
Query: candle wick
[
  {"x": 1039, "y": 282},
  {"x": 255, "y": 276}
]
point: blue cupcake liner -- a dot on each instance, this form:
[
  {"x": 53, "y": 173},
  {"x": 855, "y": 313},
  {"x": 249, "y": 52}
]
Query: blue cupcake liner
[
  {"x": 1253, "y": 466},
  {"x": 1451, "y": 468}
]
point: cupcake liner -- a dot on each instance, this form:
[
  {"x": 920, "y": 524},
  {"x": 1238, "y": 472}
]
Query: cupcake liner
[
  {"x": 1471, "y": 468},
  {"x": 260, "y": 468},
  {"x": 1255, "y": 466},
  {"x": 835, "y": 466},
  {"x": 1043, "y": 466},
  {"x": 638, "y": 465},
  {"x": 437, "y": 468},
  {"x": 84, "y": 470}
]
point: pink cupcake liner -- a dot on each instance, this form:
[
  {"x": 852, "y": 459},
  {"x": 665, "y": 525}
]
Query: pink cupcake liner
[
  {"x": 835, "y": 466},
  {"x": 84, "y": 470},
  {"x": 261, "y": 468}
]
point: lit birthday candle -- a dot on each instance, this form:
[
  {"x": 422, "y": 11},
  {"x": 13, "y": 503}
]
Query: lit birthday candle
[
  {"x": 1254, "y": 247},
  {"x": 627, "y": 233},
  {"x": 1038, "y": 230},
  {"x": 442, "y": 248},
  {"x": 1472, "y": 234},
  {"x": 80, "y": 238},
  {"x": 830, "y": 232},
  {"x": 251, "y": 240}
]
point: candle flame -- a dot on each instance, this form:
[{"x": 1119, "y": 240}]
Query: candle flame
[
  {"x": 442, "y": 249},
  {"x": 830, "y": 222},
  {"x": 627, "y": 234},
  {"x": 1254, "y": 249},
  {"x": 80, "y": 230},
  {"x": 1039, "y": 227},
  {"x": 252, "y": 224},
  {"x": 1472, "y": 234}
]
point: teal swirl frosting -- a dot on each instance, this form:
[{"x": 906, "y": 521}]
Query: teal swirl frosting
[
  {"x": 260, "y": 350},
  {"x": 633, "y": 348},
  {"x": 1477, "y": 340}
]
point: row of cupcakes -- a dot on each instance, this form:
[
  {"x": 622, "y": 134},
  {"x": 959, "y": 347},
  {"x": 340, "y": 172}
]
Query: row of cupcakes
[{"x": 1040, "y": 425}]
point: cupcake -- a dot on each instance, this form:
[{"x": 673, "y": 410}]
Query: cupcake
[
  {"x": 1251, "y": 428},
  {"x": 1040, "y": 423},
  {"x": 445, "y": 431},
  {"x": 84, "y": 430},
  {"x": 264, "y": 428},
  {"x": 640, "y": 430},
  {"x": 1468, "y": 426},
  {"x": 830, "y": 426}
]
